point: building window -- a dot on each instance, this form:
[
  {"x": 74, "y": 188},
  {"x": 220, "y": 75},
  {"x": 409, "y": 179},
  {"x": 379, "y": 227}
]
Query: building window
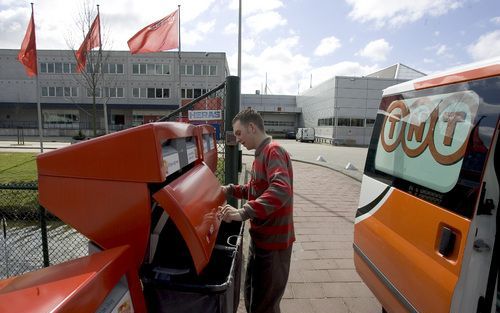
[
  {"x": 117, "y": 119},
  {"x": 139, "y": 69},
  {"x": 92, "y": 68},
  {"x": 70, "y": 91},
  {"x": 57, "y": 67},
  {"x": 162, "y": 69},
  {"x": 113, "y": 92},
  {"x": 97, "y": 92},
  {"x": 158, "y": 93},
  {"x": 192, "y": 93},
  {"x": 325, "y": 121},
  {"x": 369, "y": 122},
  {"x": 112, "y": 68},
  {"x": 278, "y": 123},
  {"x": 198, "y": 70},
  {"x": 150, "y": 69},
  {"x": 213, "y": 70},
  {"x": 187, "y": 69},
  {"x": 60, "y": 92},
  {"x": 344, "y": 122},
  {"x": 357, "y": 122},
  {"x": 58, "y": 119}
]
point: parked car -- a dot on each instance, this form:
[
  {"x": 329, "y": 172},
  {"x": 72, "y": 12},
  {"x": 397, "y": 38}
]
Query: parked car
[{"x": 290, "y": 135}]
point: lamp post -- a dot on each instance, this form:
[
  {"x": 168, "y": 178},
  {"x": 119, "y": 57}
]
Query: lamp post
[{"x": 206, "y": 81}]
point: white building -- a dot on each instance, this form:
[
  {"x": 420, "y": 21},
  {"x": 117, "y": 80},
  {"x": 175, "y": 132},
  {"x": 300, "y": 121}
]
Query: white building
[
  {"x": 136, "y": 89},
  {"x": 343, "y": 108}
]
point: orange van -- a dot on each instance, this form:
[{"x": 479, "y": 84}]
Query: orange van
[{"x": 426, "y": 229}]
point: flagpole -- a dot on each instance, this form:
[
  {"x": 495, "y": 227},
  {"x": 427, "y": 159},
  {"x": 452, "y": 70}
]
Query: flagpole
[
  {"x": 179, "y": 51},
  {"x": 39, "y": 110},
  {"x": 38, "y": 106},
  {"x": 104, "y": 105}
]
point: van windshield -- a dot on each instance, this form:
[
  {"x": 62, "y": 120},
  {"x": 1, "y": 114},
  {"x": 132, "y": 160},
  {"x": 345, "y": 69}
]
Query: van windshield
[{"x": 433, "y": 143}]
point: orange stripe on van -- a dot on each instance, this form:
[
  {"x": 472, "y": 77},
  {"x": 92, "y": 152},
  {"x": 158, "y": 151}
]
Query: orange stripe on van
[
  {"x": 401, "y": 239},
  {"x": 482, "y": 72}
]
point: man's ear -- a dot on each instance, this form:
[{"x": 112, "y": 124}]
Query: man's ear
[{"x": 252, "y": 127}]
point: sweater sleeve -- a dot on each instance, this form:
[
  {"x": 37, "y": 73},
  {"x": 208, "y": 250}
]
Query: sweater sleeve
[
  {"x": 238, "y": 191},
  {"x": 279, "y": 191}
]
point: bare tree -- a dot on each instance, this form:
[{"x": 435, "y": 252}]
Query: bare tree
[{"x": 93, "y": 80}]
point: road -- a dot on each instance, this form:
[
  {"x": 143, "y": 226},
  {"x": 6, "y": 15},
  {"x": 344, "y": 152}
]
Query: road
[{"x": 335, "y": 157}]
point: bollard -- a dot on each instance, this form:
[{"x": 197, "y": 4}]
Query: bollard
[{"x": 20, "y": 135}]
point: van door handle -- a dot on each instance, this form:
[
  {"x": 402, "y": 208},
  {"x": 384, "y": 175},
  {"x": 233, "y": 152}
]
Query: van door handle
[
  {"x": 447, "y": 242},
  {"x": 481, "y": 246}
]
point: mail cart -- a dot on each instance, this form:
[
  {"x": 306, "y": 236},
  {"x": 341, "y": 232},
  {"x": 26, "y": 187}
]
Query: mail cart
[{"x": 146, "y": 192}]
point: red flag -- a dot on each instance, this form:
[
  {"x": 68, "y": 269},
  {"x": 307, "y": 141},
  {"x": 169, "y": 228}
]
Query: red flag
[
  {"x": 160, "y": 36},
  {"x": 27, "y": 54},
  {"x": 92, "y": 40}
]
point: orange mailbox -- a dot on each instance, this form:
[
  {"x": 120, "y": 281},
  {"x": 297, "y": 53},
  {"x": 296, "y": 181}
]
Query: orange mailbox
[
  {"x": 144, "y": 193},
  {"x": 207, "y": 145}
]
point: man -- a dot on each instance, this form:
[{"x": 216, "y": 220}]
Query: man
[{"x": 270, "y": 210}]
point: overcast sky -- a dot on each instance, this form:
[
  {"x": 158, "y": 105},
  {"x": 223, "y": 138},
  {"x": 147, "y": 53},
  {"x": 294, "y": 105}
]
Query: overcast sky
[{"x": 288, "y": 40}]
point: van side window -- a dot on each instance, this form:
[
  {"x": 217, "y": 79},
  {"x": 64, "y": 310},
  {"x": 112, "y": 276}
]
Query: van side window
[{"x": 433, "y": 143}]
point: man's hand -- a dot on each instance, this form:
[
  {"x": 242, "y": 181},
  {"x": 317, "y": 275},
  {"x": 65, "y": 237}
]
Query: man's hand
[{"x": 229, "y": 213}]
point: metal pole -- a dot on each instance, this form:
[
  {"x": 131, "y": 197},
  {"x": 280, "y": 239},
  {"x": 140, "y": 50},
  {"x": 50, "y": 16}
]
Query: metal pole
[
  {"x": 39, "y": 110},
  {"x": 179, "y": 53},
  {"x": 45, "y": 244},
  {"x": 239, "y": 41},
  {"x": 232, "y": 155},
  {"x": 6, "y": 252},
  {"x": 104, "y": 105}
]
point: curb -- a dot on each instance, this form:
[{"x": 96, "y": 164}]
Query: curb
[{"x": 330, "y": 168}]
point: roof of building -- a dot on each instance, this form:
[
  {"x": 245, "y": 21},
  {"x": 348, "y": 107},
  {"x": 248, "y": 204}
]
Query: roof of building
[{"x": 397, "y": 71}]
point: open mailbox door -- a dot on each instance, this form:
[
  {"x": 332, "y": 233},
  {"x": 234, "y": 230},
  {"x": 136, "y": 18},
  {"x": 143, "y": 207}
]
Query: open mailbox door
[{"x": 192, "y": 202}]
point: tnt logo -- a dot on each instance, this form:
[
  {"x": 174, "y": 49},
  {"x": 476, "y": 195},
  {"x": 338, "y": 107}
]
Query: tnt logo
[{"x": 439, "y": 123}]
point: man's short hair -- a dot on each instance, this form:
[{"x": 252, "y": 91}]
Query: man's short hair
[{"x": 250, "y": 116}]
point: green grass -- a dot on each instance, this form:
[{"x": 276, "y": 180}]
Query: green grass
[{"x": 17, "y": 167}]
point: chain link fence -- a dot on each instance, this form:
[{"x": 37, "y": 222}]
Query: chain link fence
[
  {"x": 33, "y": 238},
  {"x": 209, "y": 108}
]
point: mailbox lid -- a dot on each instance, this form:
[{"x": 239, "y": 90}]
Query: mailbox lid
[
  {"x": 192, "y": 202},
  {"x": 134, "y": 154}
]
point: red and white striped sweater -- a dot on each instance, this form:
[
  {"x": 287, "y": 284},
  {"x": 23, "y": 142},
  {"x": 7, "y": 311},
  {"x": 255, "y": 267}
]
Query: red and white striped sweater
[{"x": 270, "y": 197}]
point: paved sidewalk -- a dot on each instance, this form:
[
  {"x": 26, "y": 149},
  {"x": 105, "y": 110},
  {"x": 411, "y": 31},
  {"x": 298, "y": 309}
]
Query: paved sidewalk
[
  {"x": 31, "y": 144},
  {"x": 322, "y": 275}
]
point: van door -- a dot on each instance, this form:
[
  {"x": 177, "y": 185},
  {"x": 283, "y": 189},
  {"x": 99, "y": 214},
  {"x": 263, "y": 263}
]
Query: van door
[
  {"x": 415, "y": 228},
  {"x": 475, "y": 290}
]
